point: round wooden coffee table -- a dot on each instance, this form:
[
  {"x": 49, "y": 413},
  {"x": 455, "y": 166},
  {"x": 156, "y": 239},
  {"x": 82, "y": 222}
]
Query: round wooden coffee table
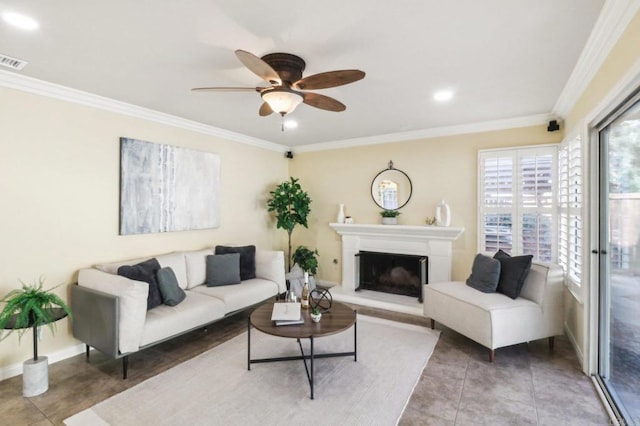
[{"x": 340, "y": 318}]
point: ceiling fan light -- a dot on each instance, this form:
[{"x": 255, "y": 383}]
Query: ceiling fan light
[{"x": 282, "y": 101}]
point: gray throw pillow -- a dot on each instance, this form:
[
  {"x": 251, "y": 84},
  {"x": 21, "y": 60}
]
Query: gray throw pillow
[
  {"x": 171, "y": 292},
  {"x": 485, "y": 274},
  {"x": 223, "y": 269}
]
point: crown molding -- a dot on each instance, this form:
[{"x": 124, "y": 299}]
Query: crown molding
[
  {"x": 613, "y": 20},
  {"x": 40, "y": 87},
  {"x": 485, "y": 126}
]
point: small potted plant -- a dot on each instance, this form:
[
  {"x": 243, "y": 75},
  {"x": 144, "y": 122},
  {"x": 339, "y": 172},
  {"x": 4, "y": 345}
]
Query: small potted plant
[
  {"x": 30, "y": 306},
  {"x": 316, "y": 315},
  {"x": 389, "y": 217},
  {"x": 306, "y": 259}
]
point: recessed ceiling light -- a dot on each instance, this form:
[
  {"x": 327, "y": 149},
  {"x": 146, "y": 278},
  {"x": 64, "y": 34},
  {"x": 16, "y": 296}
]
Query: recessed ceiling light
[
  {"x": 290, "y": 123},
  {"x": 20, "y": 21},
  {"x": 443, "y": 95}
]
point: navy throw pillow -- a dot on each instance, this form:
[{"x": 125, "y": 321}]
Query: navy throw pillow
[
  {"x": 485, "y": 274},
  {"x": 145, "y": 271},
  {"x": 513, "y": 272}
]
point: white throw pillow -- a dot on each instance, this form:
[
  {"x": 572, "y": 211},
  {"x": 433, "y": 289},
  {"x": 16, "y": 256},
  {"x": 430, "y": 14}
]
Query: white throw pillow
[{"x": 176, "y": 262}]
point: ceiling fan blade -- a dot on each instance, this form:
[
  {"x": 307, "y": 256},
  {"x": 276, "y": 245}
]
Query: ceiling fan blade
[
  {"x": 325, "y": 80},
  {"x": 228, "y": 89},
  {"x": 265, "y": 110},
  {"x": 323, "y": 102},
  {"x": 259, "y": 67}
]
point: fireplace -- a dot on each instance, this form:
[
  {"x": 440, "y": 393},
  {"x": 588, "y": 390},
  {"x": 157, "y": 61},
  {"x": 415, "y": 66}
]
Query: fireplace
[{"x": 402, "y": 274}]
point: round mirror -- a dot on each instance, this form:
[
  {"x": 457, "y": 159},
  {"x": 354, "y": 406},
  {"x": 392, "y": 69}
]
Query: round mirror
[{"x": 391, "y": 188}]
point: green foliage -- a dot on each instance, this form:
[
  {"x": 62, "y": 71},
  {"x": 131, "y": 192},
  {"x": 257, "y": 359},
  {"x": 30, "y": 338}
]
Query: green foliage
[
  {"x": 30, "y": 305},
  {"x": 389, "y": 213},
  {"x": 291, "y": 205},
  {"x": 306, "y": 259}
]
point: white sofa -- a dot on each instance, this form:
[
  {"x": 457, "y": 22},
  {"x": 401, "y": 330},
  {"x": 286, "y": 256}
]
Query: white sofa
[
  {"x": 495, "y": 320},
  {"x": 110, "y": 311}
]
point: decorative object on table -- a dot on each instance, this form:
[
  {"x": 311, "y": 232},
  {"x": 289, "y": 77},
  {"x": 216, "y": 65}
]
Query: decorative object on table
[
  {"x": 316, "y": 315},
  {"x": 430, "y": 221},
  {"x": 29, "y": 308},
  {"x": 391, "y": 188},
  {"x": 443, "y": 214},
  {"x": 320, "y": 300},
  {"x": 291, "y": 205},
  {"x": 304, "y": 299},
  {"x": 348, "y": 220},
  {"x": 389, "y": 217},
  {"x": 341, "y": 217},
  {"x": 287, "y": 314},
  {"x": 167, "y": 188}
]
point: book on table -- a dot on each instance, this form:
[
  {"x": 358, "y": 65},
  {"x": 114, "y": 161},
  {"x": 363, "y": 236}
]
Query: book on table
[{"x": 287, "y": 313}]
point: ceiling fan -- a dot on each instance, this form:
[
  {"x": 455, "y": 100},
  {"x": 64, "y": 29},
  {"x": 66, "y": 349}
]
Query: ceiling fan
[{"x": 284, "y": 72}]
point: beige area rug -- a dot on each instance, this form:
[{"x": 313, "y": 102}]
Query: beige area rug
[{"x": 216, "y": 387}]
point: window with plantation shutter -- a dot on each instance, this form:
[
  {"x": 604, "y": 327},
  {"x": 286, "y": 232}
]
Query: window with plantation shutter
[
  {"x": 570, "y": 202},
  {"x": 518, "y": 201}
]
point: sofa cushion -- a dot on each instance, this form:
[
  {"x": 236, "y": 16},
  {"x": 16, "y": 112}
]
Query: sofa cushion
[
  {"x": 195, "y": 311},
  {"x": 176, "y": 262},
  {"x": 196, "y": 262},
  {"x": 270, "y": 266},
  {"x": 112, "y": 267},
  {"x": 240, "y": 296},
  {"x": 171, "y": 292},
  {"x": 145, "y": 271},
  {"x": 513, "y": 272},
  {"x": 132, "y": 304},
  {"x": 247, "y": 259},
  {"x": 485, "y": 274},
  {"x": 223, "y": 269}
]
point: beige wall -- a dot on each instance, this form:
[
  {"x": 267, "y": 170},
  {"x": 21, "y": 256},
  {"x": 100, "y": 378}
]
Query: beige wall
[
  {"x": 439, "y": 168},
  {"x": 59, "y": 182},
  {"x": 622, "y": 57}
]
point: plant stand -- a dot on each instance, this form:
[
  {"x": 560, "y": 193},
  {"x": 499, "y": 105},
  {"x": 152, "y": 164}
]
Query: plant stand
[{"x": 35, "y": 372}]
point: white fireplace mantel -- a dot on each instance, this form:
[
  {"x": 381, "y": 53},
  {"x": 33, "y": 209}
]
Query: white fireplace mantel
[{"x": 432, "y": 241}]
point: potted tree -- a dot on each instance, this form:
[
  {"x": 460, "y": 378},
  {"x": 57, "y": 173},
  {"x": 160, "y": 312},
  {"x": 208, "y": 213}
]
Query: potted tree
[
  {"x": 31, "y": 307},
  {"x": 389, "y": 217},
  {"x": 291, "y": 205}
]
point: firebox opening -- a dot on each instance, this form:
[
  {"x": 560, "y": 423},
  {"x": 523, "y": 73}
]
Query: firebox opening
[{"x": 392, "y": 273}]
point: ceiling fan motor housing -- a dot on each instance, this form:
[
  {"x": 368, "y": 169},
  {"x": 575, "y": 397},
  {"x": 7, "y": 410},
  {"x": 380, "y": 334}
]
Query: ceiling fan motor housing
[{"x": 289, "y": 67}]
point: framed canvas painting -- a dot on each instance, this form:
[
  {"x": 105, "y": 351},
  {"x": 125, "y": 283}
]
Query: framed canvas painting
[{"x": 167, "y": 188}]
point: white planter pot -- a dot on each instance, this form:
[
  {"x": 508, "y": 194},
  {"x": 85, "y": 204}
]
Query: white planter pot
[{"x": 389, "y": 220}]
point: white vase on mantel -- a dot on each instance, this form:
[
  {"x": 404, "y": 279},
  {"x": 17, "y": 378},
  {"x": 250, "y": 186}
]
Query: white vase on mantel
[
  {"x": 443, "y": 214},
  {"x": 340, "y": 218}
]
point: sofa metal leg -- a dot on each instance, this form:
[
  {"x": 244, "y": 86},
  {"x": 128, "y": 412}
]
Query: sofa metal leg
[
  {"x": 125, "y": 366},
  {"x": 88, "y": 348},
  {"x": 433, "y": 323},
  {"x": 492, "y": 355},
  {"x": 551, "y": 342}
]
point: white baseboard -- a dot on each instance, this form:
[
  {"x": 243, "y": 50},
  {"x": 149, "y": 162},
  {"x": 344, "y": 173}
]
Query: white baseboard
[
  {"x": 16, "y": 369},
  {"x": 574, "y": 343}
]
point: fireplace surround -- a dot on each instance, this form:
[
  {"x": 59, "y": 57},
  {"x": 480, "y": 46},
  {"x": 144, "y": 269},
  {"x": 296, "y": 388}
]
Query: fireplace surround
[{"x": 434, "y": 242}]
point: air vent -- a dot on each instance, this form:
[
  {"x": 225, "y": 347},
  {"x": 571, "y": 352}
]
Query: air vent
[{"x": 13, "y": 63}]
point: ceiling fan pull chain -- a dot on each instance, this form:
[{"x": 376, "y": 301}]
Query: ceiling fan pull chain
[{"x": 282, "y": 123}]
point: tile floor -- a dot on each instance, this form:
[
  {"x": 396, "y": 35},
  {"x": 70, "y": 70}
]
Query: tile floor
[{"x": 526, "y": 384}]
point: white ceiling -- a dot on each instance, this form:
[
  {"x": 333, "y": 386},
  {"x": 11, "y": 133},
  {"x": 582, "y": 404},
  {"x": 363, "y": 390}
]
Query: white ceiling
[{"x": 503, "y": 58}]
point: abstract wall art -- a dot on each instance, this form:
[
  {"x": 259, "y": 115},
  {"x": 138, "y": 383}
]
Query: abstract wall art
[{"x": 167, "y": 188}]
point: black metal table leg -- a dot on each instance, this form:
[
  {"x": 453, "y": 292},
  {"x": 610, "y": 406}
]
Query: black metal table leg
[
  {"x": 355, "y": 341},
  {"x": 249, "y": 344},
  {"x": 311, "y": 378}
]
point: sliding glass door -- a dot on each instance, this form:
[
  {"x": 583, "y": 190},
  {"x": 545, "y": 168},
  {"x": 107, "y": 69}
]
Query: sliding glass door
[{"x": 619, "y": 260}]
